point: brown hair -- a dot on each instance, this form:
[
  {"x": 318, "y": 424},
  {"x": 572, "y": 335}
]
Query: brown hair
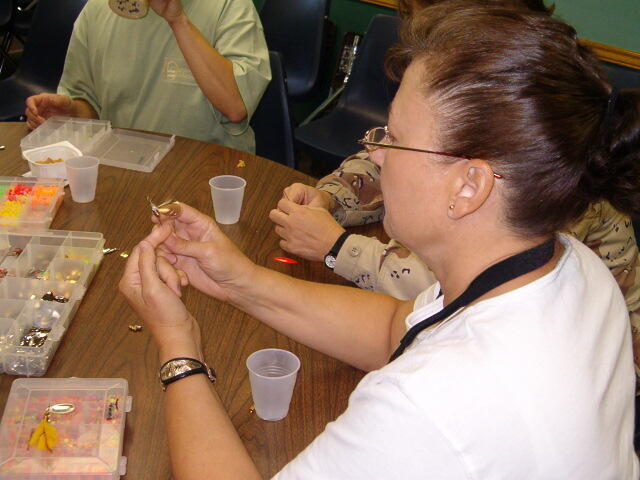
[
  {"x": 407, "y": 7},
  {"x": 516, "y": 88}
]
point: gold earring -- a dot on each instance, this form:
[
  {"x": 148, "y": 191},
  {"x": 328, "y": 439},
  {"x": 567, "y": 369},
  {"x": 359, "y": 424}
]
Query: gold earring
[{"x": 451, "y": 206}]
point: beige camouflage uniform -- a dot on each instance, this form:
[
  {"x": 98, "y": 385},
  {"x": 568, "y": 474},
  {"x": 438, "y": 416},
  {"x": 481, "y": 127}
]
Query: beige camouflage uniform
[{"x": 394, "y": 270}]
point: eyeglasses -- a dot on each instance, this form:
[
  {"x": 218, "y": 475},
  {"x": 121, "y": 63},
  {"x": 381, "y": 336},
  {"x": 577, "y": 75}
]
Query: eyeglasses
[{"x": 379, "y": 137}]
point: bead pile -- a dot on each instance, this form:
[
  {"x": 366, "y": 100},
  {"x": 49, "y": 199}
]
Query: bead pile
[{"x": 20, "y": 199}]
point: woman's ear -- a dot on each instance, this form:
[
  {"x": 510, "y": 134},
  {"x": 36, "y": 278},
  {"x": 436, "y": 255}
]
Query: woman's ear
[{"x": 471, "y": 187}]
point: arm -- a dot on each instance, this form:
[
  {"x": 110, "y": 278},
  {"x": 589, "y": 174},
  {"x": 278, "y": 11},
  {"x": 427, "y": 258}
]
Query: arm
[
  {"x": 391, "y": 269},
  {"x": 45, "y": 105},
  {"x": 152, "y": 288},
  {"x": 355, "y": 191},
  {"x": 310, "y": 232},
  {"x": 212, "y": 70},
  {"x": 329, "y": 318}
]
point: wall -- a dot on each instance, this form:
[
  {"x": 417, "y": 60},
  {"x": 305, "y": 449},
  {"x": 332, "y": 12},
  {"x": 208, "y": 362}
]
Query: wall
[{"x": 612, "y": 22}]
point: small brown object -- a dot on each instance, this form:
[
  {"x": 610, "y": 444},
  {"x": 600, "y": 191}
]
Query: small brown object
[
  {"x": 49, "y": 161},
  {"x": 135, "y": 328}
]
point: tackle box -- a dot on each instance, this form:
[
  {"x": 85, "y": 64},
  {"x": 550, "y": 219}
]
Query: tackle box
[
  {"x": 43, "y": 277},
  {"x": 89, "y": 436}
]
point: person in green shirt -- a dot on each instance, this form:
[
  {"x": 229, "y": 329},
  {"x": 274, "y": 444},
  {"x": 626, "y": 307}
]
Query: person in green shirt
[{"x": 194, "y": 68}]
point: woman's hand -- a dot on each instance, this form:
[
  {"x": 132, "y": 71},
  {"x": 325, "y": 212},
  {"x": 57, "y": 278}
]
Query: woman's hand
[
  {"x": 193, "y": 244},
  {"x": 306, "y": 231},
  {"x": 170, "y": 10},
  {"x": 42, "y": 106},
  {"x": 151, "y": 286}
]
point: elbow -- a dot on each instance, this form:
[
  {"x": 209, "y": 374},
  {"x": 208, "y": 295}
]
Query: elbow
[{"x": 236, "y": 114}]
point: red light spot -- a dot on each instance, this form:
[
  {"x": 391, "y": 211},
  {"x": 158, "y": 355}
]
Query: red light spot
[{"x": 285, "y": 260}]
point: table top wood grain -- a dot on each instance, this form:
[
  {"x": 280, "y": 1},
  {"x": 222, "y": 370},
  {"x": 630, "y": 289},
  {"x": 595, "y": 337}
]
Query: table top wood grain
[{"x": 99, "y": 344}]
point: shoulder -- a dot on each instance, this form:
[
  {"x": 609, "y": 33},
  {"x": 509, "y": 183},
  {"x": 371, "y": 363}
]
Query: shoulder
[{"x": 96, "y": 8}]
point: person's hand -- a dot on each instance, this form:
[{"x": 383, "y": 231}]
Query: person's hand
[
  {"x": 151, "y": 286},
  {"x": 45, "y": 105},
  {"x": 193, "y": 244},
  {"x": 308, "y": 232},
  {"x": 307, "y": 195},
  {"x": 170, "y": 10}
]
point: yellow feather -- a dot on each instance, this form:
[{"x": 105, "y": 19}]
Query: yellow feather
[
  {"x": 44, "y": 437},
  {"x": 37, "y": 433}
]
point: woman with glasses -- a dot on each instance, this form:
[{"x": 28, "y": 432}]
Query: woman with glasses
[
  {"x": 351, "y": 196},
  {"x": 517, "y": 363}
]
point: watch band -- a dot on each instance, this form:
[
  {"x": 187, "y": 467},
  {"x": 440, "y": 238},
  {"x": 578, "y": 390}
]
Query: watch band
[
  {"x": 338, "y": 245},
  {"x": 179, "y": 368},
  {"x": 330, "y": 258}
]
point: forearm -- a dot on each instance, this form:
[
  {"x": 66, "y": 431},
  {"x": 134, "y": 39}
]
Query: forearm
[
  {"x": 351, "y": 325},
  {"x": 203, "y": 443},
  {"x": 212, "y": 71},
  {"x": 81, "y": 108}
]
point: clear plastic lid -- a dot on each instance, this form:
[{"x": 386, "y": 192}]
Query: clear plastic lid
[
  {"x": 90, "y": 436},
  {"x": 115, "y": 147}
]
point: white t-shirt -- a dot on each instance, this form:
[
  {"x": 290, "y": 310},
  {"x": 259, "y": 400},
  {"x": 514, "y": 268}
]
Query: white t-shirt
[{"x": 537, "y": 383}]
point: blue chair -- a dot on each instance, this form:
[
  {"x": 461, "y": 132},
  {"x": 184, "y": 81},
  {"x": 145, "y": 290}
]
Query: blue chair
[
  {"x": 296, "y": 29},
  {"x": 364, "y": 103},
  {"x": 625, "y": 77},
  {"x": 42, "y": 61},
  {"x": 271, "y": 121},
  {"x": 622, "y": 77},
  {"x": 6, "y": 18}
]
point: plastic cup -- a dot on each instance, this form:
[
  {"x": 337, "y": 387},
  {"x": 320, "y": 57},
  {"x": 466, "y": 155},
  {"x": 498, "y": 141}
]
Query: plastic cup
[
  {"x": 272, "y": 373},
  {"x": 82, "y": 173},
  {"x": 226, "y": 193}
]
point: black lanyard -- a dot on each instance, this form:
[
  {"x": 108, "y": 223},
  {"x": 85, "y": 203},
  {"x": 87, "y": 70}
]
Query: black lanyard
[{"x": 492, "y": 277}]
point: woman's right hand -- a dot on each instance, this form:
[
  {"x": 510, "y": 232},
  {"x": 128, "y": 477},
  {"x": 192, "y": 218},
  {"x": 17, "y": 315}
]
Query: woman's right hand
[{"x": 196, "y": 246}]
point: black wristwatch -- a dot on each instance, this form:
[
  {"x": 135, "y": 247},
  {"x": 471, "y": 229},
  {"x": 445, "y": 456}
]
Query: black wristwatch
[
  {"x": 178, "y": 368},
  {"x": 330, "y": 258}
]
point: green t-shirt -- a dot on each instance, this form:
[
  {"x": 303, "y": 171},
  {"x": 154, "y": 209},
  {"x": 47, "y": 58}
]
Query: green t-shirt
[{"x": 133, "y": 73}]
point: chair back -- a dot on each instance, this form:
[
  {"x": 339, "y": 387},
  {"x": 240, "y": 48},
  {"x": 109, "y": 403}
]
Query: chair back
[
  {"x": 46, "y": 47},
  {"x": 6, "y": 12},
  {"x": 296, "y": 29},
  {"x": 625, "y": 77},
  {"x": 622, "y": 77},
  {"x": 369, "y": 91},
  {"x": 271, "y": 121}
]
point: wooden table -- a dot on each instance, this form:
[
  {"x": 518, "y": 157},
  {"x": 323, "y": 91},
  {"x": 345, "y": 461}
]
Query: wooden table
[{"x": 98, "y": 342}]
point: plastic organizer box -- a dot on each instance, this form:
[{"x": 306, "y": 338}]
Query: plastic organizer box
[
  {"x": 115, "y": 147},
  {"x": 90, "y": 437},
  {"x": 43, "y": 277},
  {"x": 29, "y": 204}
]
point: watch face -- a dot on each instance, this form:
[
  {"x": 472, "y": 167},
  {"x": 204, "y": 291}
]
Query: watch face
[{"x": 330, "y": 261}]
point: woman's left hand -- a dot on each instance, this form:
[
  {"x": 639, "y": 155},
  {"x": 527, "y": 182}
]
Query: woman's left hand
[{"x": 151, "y": 286}]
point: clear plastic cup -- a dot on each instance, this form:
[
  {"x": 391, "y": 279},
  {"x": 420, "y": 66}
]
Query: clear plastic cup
[
  {"x": 82, "y": 173},
  {"x": 272, "y": 373},
  {"x": 227, "y": 192}
]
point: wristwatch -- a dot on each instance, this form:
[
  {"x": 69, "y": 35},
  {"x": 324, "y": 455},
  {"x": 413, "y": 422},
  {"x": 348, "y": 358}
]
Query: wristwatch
[
  {"x": 330, "y": 258},
  {"x": 178, "y": 368}
]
